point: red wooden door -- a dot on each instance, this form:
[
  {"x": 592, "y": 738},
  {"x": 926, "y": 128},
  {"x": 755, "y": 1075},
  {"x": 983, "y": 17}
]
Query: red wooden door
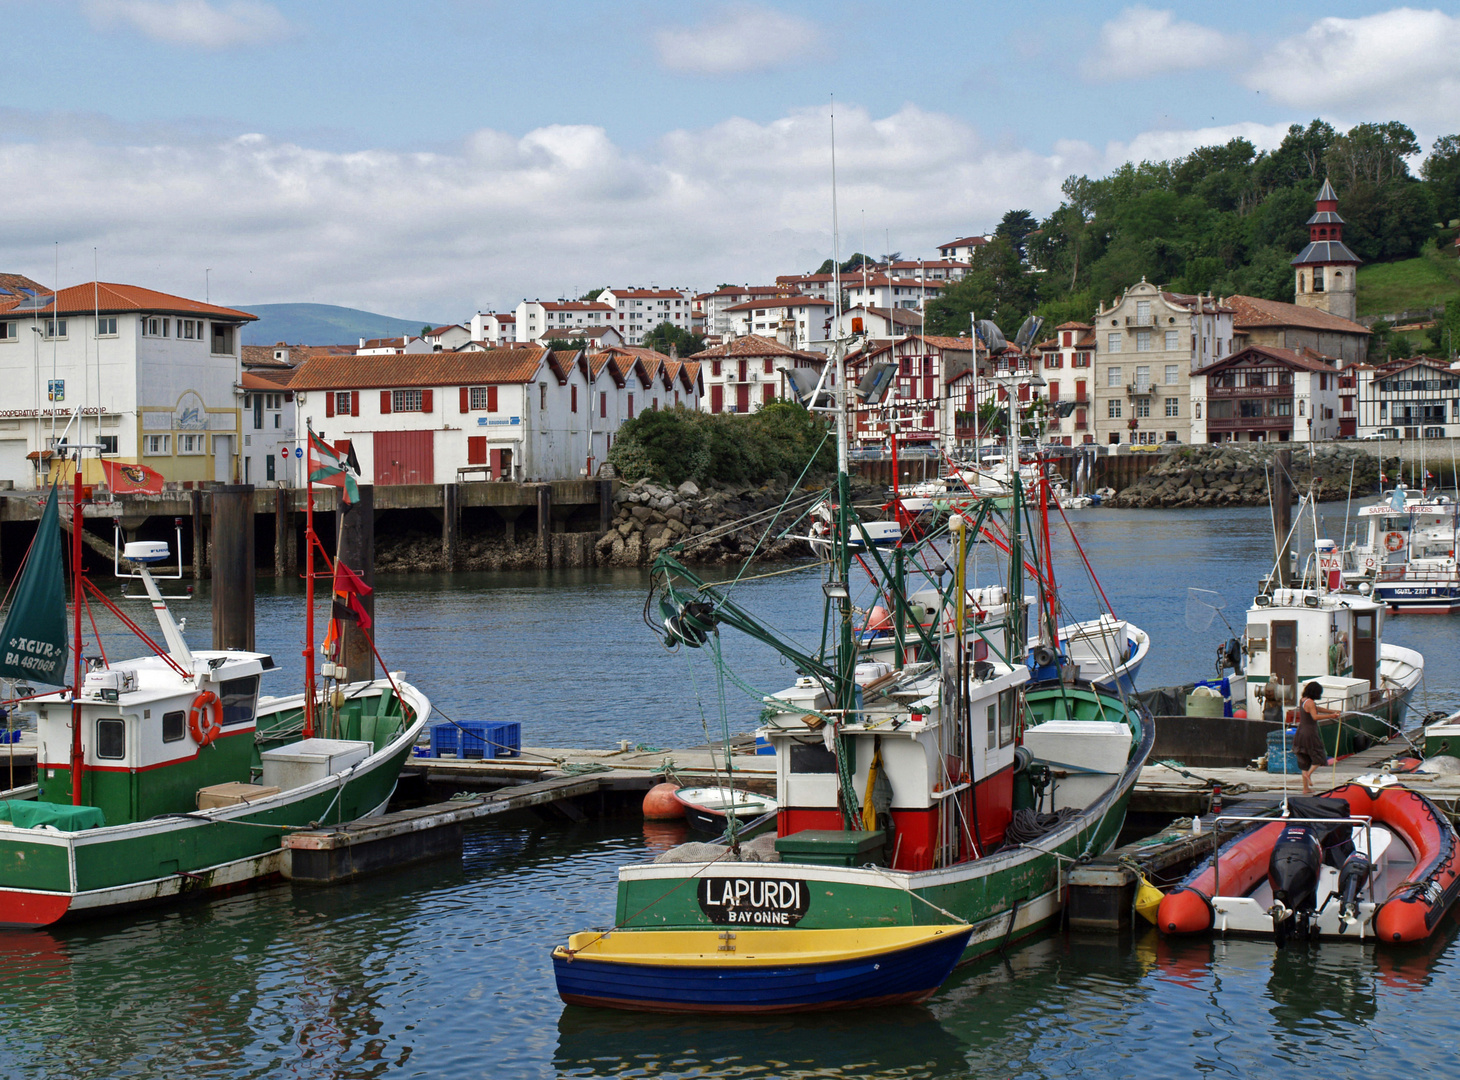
[
  {"x": 717, "y": 399},
  {"x": 742, "y": 397},
  {"x": 405, "y": 457}
]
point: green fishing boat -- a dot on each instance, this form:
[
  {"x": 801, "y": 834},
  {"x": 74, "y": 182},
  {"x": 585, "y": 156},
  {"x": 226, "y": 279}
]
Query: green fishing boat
[
  {"x": 944, "y": 777},
  {"x": 169, "y": 775}
]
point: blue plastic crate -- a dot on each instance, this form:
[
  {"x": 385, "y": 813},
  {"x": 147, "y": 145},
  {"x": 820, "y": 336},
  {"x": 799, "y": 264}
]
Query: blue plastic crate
[
  {"x": 477, "y": 739},
  {"x": 1280, "y": 756}
]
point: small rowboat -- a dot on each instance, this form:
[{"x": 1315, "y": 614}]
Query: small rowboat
[
  {"x": 1385, "y": 864},
  {"x": 707, "y": 808},
  {"x": 757, "y": 971}
]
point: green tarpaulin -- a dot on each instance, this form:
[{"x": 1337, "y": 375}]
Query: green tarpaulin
[
  {"x": 27, "y": 815},
  {"x": 33, "y": 641}
]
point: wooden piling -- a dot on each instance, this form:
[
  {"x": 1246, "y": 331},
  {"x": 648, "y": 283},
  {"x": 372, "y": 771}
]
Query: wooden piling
[
  {"x": 357, "y": 551},
  {"x": 605, "y": 505},
  {"x": 1282, "y": 504},
  {"x": 545, "y": 523},
  {"x": 233, "y": 566},
  {"x": 286, "y": 549},
  {"x": 450, "y": 523},
  {"x": 200, "y": 535}
]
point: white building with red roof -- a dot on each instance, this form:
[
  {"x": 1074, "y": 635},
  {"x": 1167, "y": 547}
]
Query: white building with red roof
[
  {"x": 1263, "y": 394},
  {"x": 879, "y": 290},
  {"x": 747, "y": 372},
  {"x": 1067, "y": 363},
  {"x": 795, "y": 321},
  {"x": 496, "y": 414},
  {"x": 493, "y": 327},
  {"x": 934, "y": 394},
  {"x": 712, "y": 308},
  {"x": 442, "y": 338},
  {"x": 634, "y": 311},
  {"x": 962, "y": 249},
  {"x": 154, "y": 377},
  {"x": 543, "y": 320}
]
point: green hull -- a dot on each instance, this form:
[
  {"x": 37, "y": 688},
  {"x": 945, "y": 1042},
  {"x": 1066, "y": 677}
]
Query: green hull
[
  {"x": 1003, "y": 896},
  {"x": 50, "y": 875}
]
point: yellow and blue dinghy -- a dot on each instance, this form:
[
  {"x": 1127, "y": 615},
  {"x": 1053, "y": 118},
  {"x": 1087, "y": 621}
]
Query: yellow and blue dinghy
[{"x": 753, "y": 971}]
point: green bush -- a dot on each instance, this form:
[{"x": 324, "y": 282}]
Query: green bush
[{"x": 674, "y": 445}]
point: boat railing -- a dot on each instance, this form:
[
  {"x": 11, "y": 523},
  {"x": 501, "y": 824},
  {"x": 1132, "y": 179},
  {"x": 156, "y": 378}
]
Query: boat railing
[
  {"x": 1419, "y": 576},
  {"x": 1217, "y": 822}
]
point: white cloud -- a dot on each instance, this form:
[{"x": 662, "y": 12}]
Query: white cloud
[
  {"x": 736, "y": 40},
  {"x": 193, "y": 22},
  {"x": 1141, "y": 42},
  {"x": 553, "y": 212},
  {"x": 1395, "y": 64},
  {"x": 1167, "y": 145}
]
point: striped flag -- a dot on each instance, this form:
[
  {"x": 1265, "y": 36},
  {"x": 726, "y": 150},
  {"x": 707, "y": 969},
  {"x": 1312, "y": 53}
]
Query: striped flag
[{"x": 329, "y": 466}]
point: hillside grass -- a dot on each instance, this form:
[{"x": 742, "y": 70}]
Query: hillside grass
[{"x": 1425, "y": 281}]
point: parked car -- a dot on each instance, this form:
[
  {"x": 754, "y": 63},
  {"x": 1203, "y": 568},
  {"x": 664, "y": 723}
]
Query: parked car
[{"x": 1376, "y": 435}]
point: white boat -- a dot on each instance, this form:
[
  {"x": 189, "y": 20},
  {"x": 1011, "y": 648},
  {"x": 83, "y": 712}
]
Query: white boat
[
  {"x": 707, "y": 808},
  {"x": 1406, "y": 549},
  {"x": 1108, "y": 651}
]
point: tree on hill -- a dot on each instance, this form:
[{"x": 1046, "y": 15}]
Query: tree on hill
[
  {"x": 1441, "y": 171},
  {"x": 592, "y": 294},
  {"x": 666, "y": 334},
  {"x": 1015, "y": 227},
  {"x": 997, "y": 286},
  {"x": 575, "y": 344}
]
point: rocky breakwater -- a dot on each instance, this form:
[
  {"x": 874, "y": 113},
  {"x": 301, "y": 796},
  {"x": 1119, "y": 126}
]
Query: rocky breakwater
[
  {"x": 1236, "y": 474},
  {"x": 714, "y": 526}
]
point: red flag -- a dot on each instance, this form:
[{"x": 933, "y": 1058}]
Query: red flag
[
  {"x": 348, "y": 588},
  {"x": 125, "y": 479}
]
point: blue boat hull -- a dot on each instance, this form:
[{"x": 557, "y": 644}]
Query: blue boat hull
[{"x": 900, "y": 977}]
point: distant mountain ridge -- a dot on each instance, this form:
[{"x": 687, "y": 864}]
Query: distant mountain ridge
[{"x": 322, "y": 324}]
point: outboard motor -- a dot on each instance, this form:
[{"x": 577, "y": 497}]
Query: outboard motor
[
  {"x": 1292, "y": 871},
  {"x": 1356, "y": 870}
]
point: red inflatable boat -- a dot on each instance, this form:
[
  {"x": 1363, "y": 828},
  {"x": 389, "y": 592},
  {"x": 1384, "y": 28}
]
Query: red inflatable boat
[{"x": 1359, "y": 861}]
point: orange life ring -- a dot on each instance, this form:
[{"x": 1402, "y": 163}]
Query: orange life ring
[
  {"x": 205, "y": 718},
  {"x": 1393, "y": 541}
]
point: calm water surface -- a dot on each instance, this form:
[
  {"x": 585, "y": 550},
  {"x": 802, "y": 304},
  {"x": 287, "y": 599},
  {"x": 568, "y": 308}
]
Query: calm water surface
[{"x": 443, "y": 971}]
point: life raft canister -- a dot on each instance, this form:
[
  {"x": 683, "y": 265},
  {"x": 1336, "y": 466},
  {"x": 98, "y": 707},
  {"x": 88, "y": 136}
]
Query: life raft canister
[{"x": 205, "y": 718}]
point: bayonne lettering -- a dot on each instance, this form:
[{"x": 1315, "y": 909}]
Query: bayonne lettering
[{"x": 753, "y": 901}]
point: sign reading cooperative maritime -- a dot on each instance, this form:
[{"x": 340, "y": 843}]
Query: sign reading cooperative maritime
[{"x": 732, "y": 901}]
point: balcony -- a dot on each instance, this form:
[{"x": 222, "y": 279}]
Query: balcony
[
  {"x": 1250, "y": 423},
  {"x": 1283, "y": 390},
  {"x": 1138, "y": 390},
  {"x": 1140, "y": 320},
  {"x": 1081, "y": 425}
]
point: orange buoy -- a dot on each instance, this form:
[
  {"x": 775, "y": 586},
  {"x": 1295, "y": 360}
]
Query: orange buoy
[
  {"x": 660, "y": 803},
  {"x": 1239, "y": 714},
  {"x": 878, "y": 618}
]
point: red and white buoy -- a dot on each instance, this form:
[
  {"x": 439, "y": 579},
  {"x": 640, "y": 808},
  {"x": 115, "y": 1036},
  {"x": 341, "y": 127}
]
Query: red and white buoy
[{"x": 660, "y": 803}]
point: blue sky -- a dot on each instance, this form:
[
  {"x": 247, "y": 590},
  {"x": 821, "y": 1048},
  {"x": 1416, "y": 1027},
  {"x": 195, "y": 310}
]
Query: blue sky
[{"x": 435, "y": 158}]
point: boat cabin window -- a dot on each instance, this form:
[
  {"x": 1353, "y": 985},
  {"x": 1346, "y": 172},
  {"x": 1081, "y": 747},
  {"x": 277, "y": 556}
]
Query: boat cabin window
[
  {"x": 1364, "y": 626},
  {"x": 1284, "y": 635},
  {"x": 174, "y": 724},
  {"x": 238, "y": 699},
  {"x": 812, "y": 758},
  {"x": 111, "y": 738},
  {"x": 1006, "y": 717},
  {"x": 993, "y": 726}
]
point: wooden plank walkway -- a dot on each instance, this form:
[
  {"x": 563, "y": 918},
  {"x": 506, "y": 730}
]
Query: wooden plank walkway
[{"x": 329, "y": 855}]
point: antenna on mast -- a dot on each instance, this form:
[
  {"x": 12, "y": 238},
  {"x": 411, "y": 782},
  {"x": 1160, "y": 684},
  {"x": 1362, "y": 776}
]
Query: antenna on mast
[{"x": 838, "y": 355}]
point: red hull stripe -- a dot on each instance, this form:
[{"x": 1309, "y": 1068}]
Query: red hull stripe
[{"x": 32, "y": 908}]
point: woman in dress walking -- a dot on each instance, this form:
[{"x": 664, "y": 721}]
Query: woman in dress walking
[{"x": 1308, "y": 745}]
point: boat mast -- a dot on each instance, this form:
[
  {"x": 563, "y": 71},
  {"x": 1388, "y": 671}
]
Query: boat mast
[
  {"x": 78, "y": 755},
  {"x": 309, "y": 541}
]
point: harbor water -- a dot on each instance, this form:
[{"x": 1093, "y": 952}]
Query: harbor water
[{"x": 443, "y": 971}]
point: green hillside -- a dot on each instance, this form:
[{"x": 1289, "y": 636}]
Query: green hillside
[
  {"x": 1421, "y": 282},
  {"x": 322, "y": 324}
]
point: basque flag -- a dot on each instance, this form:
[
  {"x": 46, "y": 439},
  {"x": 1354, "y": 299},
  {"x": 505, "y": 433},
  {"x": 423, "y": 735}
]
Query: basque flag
[{"x": 330, "y": 466}]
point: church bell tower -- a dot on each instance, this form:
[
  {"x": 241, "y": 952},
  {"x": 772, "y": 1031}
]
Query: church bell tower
[{"x": 1327, "y": 271}]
